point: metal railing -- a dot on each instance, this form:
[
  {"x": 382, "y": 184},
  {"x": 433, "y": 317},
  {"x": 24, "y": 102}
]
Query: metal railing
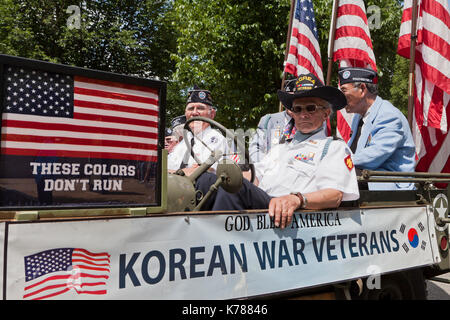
[{"x": 394, "y": 176}]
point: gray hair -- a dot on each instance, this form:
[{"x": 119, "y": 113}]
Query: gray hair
[{"x": 371, "y": 87}]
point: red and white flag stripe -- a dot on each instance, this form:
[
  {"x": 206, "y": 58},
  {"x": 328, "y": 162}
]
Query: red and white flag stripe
[
  {"x": 432, "y": 81},
  {"x": 352, "y": 37},
  {"x": 352, "y": 48},
  {"x": 304, "y": 50}
]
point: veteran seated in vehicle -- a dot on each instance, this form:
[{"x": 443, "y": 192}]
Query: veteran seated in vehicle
[
  {"x": 381, "y": 138},
  {"x": 313, "y": 171},
  {"x": 199, "y": 104},
  {"x": 174, "y": 134}
]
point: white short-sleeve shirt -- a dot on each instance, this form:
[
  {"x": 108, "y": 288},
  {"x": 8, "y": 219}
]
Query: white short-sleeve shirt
[
  {"x": 211, "y": 137},
  {"x": 298, "y": 167}
]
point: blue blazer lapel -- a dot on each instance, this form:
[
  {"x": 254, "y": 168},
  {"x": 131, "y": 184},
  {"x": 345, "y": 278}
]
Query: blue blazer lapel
[
  {"x": 369, "y": 125},
  {"x": 354, "y": 128}
]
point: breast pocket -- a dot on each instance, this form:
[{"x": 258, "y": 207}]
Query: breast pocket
[{"x": 300, "y": 169}]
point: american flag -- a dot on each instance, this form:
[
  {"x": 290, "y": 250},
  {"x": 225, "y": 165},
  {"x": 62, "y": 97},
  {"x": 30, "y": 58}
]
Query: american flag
[
  {"x": 352, "y": 48},
  {"x": 304, "y": 50},
  {"x": 56, "y": 271},
  {"x": 235, "y": 157},
  {"x": 352, "y": 40},
  {"x": 432, "y": 85},
  {"x": 51, "y": 114}
]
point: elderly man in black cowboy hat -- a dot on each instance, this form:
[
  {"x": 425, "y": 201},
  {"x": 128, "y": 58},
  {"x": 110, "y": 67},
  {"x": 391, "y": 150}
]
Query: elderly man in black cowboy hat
[{"x": 313, "y": 171}]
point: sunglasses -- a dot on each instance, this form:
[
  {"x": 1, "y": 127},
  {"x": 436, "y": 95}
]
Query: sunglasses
[{"x": 310, "y": 108}]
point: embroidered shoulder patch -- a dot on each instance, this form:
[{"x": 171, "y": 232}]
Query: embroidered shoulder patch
[
  {"x": 214, "y": 139},
  {"x": 349, "y": 163}
]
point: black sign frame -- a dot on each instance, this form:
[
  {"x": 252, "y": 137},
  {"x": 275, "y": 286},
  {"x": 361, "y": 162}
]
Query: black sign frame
[{"x": 160, "y": 86}]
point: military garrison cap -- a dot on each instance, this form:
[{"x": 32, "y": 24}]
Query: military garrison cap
[
  {"x": 353, "y": 74},
  {"x": 200, "y": 95},
  {"x": 177, "y": 121}
]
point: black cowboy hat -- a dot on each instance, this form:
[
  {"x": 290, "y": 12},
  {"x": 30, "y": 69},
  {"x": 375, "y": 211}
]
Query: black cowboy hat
[{"x": 308, "y": 85}]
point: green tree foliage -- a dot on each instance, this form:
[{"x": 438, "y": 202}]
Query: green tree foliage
[
  {"x": 130, "y": 37},
  {"x": 234, "y": 48},
  {"x": 399, "y": 87}
]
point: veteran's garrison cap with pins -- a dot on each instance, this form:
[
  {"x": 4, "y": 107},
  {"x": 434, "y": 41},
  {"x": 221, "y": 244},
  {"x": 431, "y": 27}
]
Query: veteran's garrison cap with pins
[
  {"x": 353, "y": 74},
  {"x": 200, "y": 95}
]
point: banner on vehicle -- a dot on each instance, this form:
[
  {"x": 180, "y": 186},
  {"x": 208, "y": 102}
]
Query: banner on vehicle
[{"x": 211, "y": 256}]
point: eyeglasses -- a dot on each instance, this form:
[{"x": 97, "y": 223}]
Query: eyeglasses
[{"x": 310, "y": 108}]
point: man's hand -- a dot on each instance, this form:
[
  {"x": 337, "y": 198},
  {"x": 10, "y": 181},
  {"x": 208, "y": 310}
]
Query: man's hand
[
  {"x": 190, "y": 170},
  {"x": 282, "y": 208},
  {"x": 248, "y": 175},
  {"x": 187, "y": 171}
]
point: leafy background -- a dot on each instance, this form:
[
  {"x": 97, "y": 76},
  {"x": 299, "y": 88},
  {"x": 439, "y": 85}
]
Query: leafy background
[{"x": 233, "y": 48}]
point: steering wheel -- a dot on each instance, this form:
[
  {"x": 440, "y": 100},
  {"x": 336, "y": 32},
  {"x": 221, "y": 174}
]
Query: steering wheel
[{"x": 226, "y": 133}]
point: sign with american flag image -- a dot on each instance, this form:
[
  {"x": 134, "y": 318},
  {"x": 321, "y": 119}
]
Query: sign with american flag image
[
  {"x": 54, "y": 272},
  {"x": 77, "y": 136}
]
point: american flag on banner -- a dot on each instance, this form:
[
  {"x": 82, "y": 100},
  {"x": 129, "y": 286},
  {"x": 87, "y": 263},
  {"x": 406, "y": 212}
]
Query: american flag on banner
[
  {"x": 50, "y": 114},
  {"x": 432, "y": 85},
  {"x": 304, "y": 50},
  {"x": 56, "y": 271},
  {"x": 352, "y": 48}
]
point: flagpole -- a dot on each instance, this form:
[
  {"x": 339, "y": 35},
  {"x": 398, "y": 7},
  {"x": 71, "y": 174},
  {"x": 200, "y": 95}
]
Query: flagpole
[
  {"x": 330, "y": 58},
  {"x": 412, "y": 58},
  {"x": 331, "y": 40},
  {"x": 286, "y": 52}
]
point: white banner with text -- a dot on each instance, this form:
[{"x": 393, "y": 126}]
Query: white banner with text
[{"x": 211, "y": 256}]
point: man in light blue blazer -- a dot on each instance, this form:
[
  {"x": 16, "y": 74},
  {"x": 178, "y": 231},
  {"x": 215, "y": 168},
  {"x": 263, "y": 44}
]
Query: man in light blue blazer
[
  {"x": 381, "y": 138},
  {"x": 271, "y": 129},
  {"x": 268, "y": 134}
]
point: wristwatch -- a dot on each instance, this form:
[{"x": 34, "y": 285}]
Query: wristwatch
[{"x": 303, "y": 199}]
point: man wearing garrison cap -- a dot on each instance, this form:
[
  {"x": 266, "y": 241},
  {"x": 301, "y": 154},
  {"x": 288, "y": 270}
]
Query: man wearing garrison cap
[
  {"x": 174, "y": 134},
  {"x": 381, "y": 138},
  {"x": 199, "y": 104}
]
